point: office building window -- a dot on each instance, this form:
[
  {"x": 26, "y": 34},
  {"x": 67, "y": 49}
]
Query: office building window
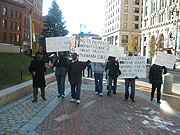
[
  {"x": 10, "y": 25},
  {"x": 125, "y": 17},
  {"x": 14, "y": 37},
  {"x": 24, "y": 21},
  {"x": 135, "y": 26},
  {"x": 18, "y": 38},
  {"x": 11, "y": 12},
  {"x": 27, "y": 23},
  {"x": 19, "y": 15},
  {"x": 15, "y": 14},
  {"x": 124, "y": 38},
  {"x": 125, "y": 9},
  {"x": 136, "y": 2},
  {"x": 10, "y": 37},
  {"x": 26, "y": 36},
  {"x": 15, "y": 25},
  {"x": 125, "y": 25},
  {"x": 4, "y": 36},
  {"x": 4, "y": 11},
  {"x": 4, "y": 23},
  {"x": 135, "y": 18},
  {"x": 19, "y": 26},
  {"x": 125, "y": 1},
  {"x": 135, "y": 10}
]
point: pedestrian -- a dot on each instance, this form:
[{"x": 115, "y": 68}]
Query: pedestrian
[
  {"x": 75, "y": 77},
  {"x": 98, "y": 69},
  {"x": 132, "y": 82},
  {"x": 38, "y": 70},
  {"x": 155, "y": 78},
  {"x": 89, "y": 68},
  {"x": 114, "y": 72},
  {"x": 61, "y": 64}
]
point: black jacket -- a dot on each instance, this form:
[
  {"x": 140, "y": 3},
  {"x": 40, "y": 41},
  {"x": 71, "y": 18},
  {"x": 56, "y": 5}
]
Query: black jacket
[
  {"x": 113, "y": 67},
  {"x": 155, "y": 74},
  {"x": 39, "y": 67}
]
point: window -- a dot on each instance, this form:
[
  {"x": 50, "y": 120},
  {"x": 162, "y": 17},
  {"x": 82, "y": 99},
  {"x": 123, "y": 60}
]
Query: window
[
  {"x": 18, "y": 38},
  {"x": 136, "y": 2},
  {"x": 15, "y": 14},
  {"x": 146, "y": 11},
  {"x": 11, "y": 12},
  {"x": 125, "y": 9},
  {"x": 10, "y": 25},
  {"x": 4, "y": 36},
  {"x": 135, "y": 18},
  {"x": 10, "y": 37},
  {"x": 15, "y": 25},
  {"x": 125, "y": 25},
  {"x": 27, "y": 23},
  {"x": 135, "y": 10},
  {"x": 124, "y": 38},
  {"x": 126, "y": 2},
  {"x": 4, "y": 11},
  {"x": 125, "y": 17},
  {"x": 4, "y": 23},
  {"x": 19, "y": 26},
  {"x": 19, "y": 15},
  {"x": 14, "y": 37},
  {"x": 24, "y": 21},
  {"x": 26, "y": 35},
  {"x": 135, "y": 26}
]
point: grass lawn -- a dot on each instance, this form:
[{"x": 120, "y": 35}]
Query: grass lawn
[{"x": 10, "y": 69}]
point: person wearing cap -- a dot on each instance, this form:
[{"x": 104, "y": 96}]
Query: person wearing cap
[
  {"x": 75, "y": 77},
  {"x": 38, "y": 70}
]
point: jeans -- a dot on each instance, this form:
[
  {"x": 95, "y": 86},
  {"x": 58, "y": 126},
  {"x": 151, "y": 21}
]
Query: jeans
[
  {"x": 98, "y": 82},
  {"x": 75, "y": 91},
  {"x": 154, "y": 86},
  {"x": 127, "y": 82},
  {"x": 35, "y": 93},
  {"x": 61, "y": 84},
  {"x": 110, "y": 84}
]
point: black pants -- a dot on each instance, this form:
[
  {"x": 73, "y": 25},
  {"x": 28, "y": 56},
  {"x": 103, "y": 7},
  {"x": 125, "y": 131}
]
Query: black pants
[
  {"x": 154, "y": 86},
  {"x": 35, "y": 93}
]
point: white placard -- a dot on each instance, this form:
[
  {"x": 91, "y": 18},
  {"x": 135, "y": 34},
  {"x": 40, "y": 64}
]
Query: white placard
[
  {"x": 164, "y": 59},
  {"x": 93, "y": 50},
  {"x": 116, "y": 51},
  {"x": 132, "y": 66},
  {"x": 55, "y": 44}
]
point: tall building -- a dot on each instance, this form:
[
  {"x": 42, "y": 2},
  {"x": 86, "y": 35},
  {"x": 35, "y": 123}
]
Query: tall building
[
  {"x": 14, "y": 20},
  {"x": 122, "y": 21},
  {"x": 160, "y": 23}
]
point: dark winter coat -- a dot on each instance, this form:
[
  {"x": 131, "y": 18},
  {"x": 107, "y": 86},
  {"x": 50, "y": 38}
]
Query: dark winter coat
[
  {"x": 113, "y": 67},
  {"x": 39, "y": 67},
  {"x": 75, "y": 71},
  {"x": 155, "y": 74},
  {"x": 61, "y": 64}
]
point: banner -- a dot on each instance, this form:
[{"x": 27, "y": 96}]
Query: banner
[
  {"x": 164, "y": 59},
  {"x": 132, "y": 66},
  {"x": 93, "y": 50},
  {"x": 55, "y": 44}
]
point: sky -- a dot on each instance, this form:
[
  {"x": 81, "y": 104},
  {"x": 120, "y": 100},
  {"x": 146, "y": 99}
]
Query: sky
[{"x": 76, "y": 12}]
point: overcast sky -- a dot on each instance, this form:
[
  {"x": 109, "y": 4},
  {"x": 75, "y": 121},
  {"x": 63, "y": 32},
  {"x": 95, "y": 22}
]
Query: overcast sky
[{"x": 76, "y": 12}]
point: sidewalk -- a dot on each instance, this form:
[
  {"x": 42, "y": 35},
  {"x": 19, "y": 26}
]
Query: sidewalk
[{"x": 94, "y": 116}]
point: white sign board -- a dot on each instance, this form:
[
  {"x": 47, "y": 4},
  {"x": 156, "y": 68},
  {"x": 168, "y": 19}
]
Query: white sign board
[
  {"x": 93, "y": 50},
  {"x": 132, "y": 66},
  {"x": 55, "y": 44},
  {"x": 164, "y": 59},
  {"x": 116, "y": 51}
]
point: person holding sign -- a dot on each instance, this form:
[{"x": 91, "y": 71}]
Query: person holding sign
[
  {"x": 75, "y": 77},
  {"x": 38, "y": 70},
  {"x": 98, "y": 69},
  {"x": 155, "y": 78},
  {"x": 114, "y": 72},
  {"x": 61, "y": 64}
]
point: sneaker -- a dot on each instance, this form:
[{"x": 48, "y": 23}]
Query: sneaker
[
  {"x": 133, "y": 100},
  {"x": 59, "y": 96},
  {"x": 34, "y": 101},
  {"x": 114, "y": 92},
  {"x": 63, "y": 96},
  {"x": 96, "y": 93},
  {"x": 151, "y": 99},
  {"x": 100, "y": 94},
  {"x": 108, "y": 93},
  {"x": 159, "y": 102},
  {"x": 78, "y": 101},
  {"x": 73, "y": 100},
  {"x": 125, "y": 99}
]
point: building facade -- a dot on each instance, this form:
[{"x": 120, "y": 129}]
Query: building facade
[
  {"x": 160, "y": 22},
  {"x": 14, "y": 20},
  {"x": 122, "y": 21}
]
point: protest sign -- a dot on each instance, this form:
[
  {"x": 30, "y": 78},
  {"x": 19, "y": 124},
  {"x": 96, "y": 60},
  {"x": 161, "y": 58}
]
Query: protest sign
[
  {"x": 164, "y": 59},
  {"x": 93, "y": 50},
  {"x": 132, "y": 66},
  {"x": 116, "y": 51},
  {"x": 55, "y": 44}
]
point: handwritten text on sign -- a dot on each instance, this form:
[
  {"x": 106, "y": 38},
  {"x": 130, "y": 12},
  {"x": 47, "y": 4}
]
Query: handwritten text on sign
[
  {"x": 164, "y": 59},
  {"x": 55, "y": 44},
  {"x": 93, "y": 50},
  {"x": 132, "y": 66}
]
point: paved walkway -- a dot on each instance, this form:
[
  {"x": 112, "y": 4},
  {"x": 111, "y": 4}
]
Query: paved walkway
[{"x": 94, "y": 116}]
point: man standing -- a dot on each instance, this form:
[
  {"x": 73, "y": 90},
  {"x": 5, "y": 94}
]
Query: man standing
[
  {"x": 75, "y": 77},
  {"x": 98, "y": 69},
  {"x": 38, "y": 70},
  {"x": 155, "y": 77},
  {"x": 61, "y": 65}
]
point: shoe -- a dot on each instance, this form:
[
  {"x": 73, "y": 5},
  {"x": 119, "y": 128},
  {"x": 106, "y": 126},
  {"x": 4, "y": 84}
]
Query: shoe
[
  {"x": 34, "y": 101},
  {"x": 125, "y": 99},
  {"x": 78, "y": 101},
  {"x": 133, "y": 100},
  {"x": 159, "y": 102},
  {"x": 59, "y": 96},
  {"x": 114, "y": 92},
  {"x": 96, "y": 93},
  {"x": 151, "y": 99},
  {"x": 109, "y": 94},
  {"x": 100, "y": 94},
  {"x": 44, "y": 99},
  {"x": 63, "y": 96},
  {"x": 73, "y": 100}
]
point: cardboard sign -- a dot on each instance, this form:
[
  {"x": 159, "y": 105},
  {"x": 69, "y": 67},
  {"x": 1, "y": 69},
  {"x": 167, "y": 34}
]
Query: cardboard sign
[
  {"x": 132, "y": 66},
  {"x": 164, "y": 59},
  {"x": 116, "y": 51},
  {"x": 55, "y": 44},
  {"x": 93, "y": 50}
]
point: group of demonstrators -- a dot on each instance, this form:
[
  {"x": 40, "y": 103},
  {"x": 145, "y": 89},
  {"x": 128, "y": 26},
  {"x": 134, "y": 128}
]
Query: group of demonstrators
[{"x": 74, "y": 69}]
